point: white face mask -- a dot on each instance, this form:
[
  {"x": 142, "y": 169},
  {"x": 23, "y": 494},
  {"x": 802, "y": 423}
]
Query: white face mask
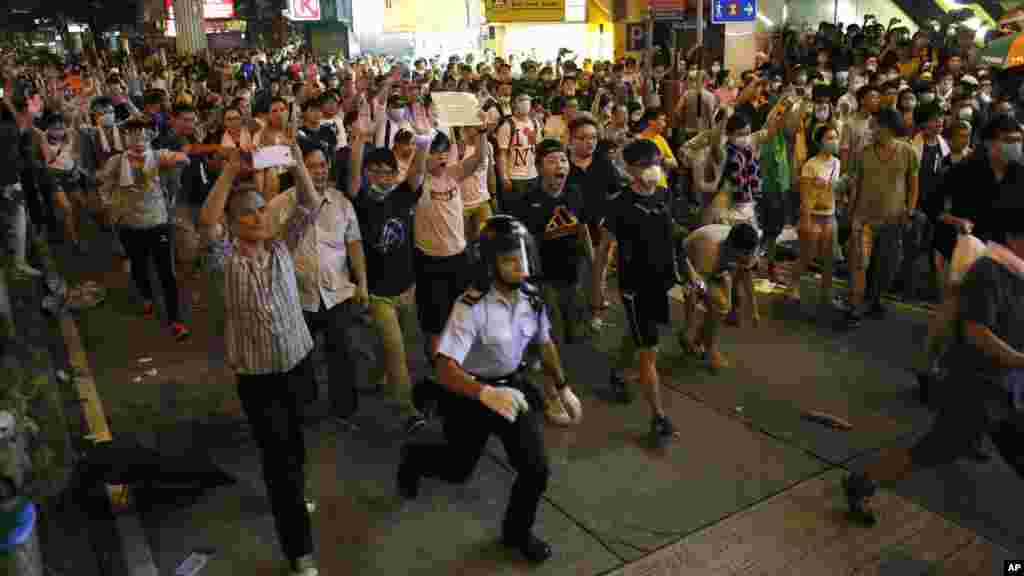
[
  {"x": 522, "y": 108},
  {"x": 648, "y": 182},
  {"x": 741, "y": 141}
]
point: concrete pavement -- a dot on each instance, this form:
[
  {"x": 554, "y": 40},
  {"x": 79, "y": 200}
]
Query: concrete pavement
[{"x": 748, "y": 488}]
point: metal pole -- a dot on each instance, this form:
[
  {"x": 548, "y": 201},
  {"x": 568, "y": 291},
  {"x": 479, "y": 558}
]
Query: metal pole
[{"x": 835, "y": 13}]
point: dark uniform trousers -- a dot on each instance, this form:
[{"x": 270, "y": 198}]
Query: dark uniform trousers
[
  {"x": 275, "y": 417},
  {"x": 467, "y": 426},
  {"x": 348, "y": 371}
]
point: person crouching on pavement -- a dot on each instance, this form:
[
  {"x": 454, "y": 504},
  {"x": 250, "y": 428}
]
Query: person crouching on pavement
[
  {"x": 986, "y": 359},
  {"x": 483, "y": 385},
  {"x": 268, "y": 342},
  {"x": 717, "y": 257},
  {"x": 553, "y": 210},
  {"x": 640, "y": 220}
]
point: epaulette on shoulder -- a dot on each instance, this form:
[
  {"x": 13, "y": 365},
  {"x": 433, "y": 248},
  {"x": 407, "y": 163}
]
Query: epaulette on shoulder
[{"x": 471, "y": 297}]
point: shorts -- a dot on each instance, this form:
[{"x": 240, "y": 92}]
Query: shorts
[
  {"x": 961, "y": 420},
  {"x": 645, "y": 311},
  {"x": 439, "y": 281},
  {"x": 482, "y": 211}
]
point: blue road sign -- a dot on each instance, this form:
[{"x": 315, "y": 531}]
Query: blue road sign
[{"x": 727, "y": 11}]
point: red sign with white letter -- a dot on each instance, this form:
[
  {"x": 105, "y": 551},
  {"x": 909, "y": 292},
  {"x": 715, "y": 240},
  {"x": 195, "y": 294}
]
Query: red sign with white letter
[{"x": 305, "y": 10}]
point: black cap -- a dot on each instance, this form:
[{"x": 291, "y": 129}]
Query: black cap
[{"x": 547, "y": 146}]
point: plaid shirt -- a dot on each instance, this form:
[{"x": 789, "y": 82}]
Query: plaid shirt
[{"x": 264, "y": 328}]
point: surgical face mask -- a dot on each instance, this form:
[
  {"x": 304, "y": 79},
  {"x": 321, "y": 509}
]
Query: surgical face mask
[
  {"x": 986, "y": 98},
  {"x": 1010, "y": 151},
  {"x": 842, "y": 77},
  {"x": 523, "y": 107},
  {"x": 928, "y": 97},
  {"x": 380, "y": 192},
  {"x": 108, "y": 120},
  {"x": 831, "y": 148},
  {"x": 966, "y": 113},
  {"x": 396, "y": 115},
  {"x": 821, "y": 112},
  {"x": 55, "y": 134},
  {"x": 800, "y": 80},
  {"x": 741, "y": 141},
  {"x": 648, "y": 181},
  {"x": 716, "y": 69}
]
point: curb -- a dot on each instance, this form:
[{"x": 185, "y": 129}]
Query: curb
[{"x": 136, "y": 557}]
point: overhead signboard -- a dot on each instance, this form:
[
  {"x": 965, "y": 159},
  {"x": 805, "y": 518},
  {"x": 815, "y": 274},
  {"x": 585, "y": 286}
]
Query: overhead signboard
[
  {"x": 304, "y": 10},
  {"x": 730, "y": 11},
  {"x": 667, "y": 10},
  {"x": 212, "y": 9},
  {"x": 525, "y": 10}
]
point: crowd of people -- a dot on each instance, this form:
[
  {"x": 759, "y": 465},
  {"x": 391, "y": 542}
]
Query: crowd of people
[{"x": 889, "y": 155}]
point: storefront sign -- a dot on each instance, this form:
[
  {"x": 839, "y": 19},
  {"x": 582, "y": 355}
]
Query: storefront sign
[
  {"x": 666, "y": 10},
  {"x": 212, "y": 9},
  {"x": 525, "y": 10}
]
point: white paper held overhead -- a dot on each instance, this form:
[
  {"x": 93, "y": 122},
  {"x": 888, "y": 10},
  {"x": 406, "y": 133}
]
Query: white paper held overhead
[{"x": 456, "y": 108}]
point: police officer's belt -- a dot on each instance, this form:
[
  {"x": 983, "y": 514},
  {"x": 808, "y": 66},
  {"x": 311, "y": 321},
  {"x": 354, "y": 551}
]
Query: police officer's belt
[{"x": 502, "y": 380}]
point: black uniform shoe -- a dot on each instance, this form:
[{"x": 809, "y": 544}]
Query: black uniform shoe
[
  {"x": 620, "y": 392},
  {"x": 534, "y": 549},
  {"x": 858, "y": 488},
  {"x": 877, "y": 311},
  {"x": 978, "y": 453},
  {"x": 425, "y": 397},
  {"x": 851, "y": 320},
  {"x": 408, "y": 477},
  {"x": 662, "y": 431}
]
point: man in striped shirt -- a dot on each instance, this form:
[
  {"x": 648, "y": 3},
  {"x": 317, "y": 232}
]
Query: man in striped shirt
[{"x": 268, "y": 343}]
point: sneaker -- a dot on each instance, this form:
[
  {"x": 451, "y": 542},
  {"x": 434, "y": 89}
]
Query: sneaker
[
  {"x": 408, "y": 477},
  {"x": 180, "y": 331},
  {"x": 534, "y": 549},
  {"x": 555, "y": 410},
  {"x": 414, "y": 424},
  {"x": 310, "y": 505},
  {"x": 305, "y": 566},
  {"x": 858, "y": 489},
  {"x": 620, "y": 391},
  {"x": 662, "y": 431},
  {"x": 851, "y": 319},
  {"x": 147, "y": 310}
]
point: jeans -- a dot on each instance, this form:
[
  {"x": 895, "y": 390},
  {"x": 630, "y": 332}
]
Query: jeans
[
  {"x": 155, "y": 242},
  {"x": 347, "y": 370},
  {"x": 394, "y": 316},
  {"x": 274, "y": 416},
  {"x": 467, "y": 426}
]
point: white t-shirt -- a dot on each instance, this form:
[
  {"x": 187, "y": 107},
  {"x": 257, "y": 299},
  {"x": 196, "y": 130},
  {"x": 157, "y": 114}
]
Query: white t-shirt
[
  {"x": 474, "y": 187},
  {"x": 827, "y": 170},
  {"x": 520, "y": 149},
  {"x": 439, "y": 225}
]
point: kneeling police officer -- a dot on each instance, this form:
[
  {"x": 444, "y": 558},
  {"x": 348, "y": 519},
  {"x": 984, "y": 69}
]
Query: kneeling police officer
[{"x": 483, "y": 386}]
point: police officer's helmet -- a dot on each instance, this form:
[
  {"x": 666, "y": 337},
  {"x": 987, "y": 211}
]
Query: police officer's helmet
[{"x": 503, "y": 234}]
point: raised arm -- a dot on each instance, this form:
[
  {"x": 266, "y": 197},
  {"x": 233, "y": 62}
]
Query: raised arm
[
  {"x": 213, "y": 208},
  {"x": 470, "y": 165},
  {"x": 418, "y": 168}
]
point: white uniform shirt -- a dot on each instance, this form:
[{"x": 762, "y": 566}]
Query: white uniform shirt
[{"x": 488, "y": 339}]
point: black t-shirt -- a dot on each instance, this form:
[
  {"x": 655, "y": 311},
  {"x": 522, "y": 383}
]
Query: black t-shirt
[
  {"x": 643, "y": 228},
  {"x": 386, "y": 227},
  {"x": 558, "y": 256},
  {"x": 599, "y": 182},
  {"x": 992, "y": 296}
]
